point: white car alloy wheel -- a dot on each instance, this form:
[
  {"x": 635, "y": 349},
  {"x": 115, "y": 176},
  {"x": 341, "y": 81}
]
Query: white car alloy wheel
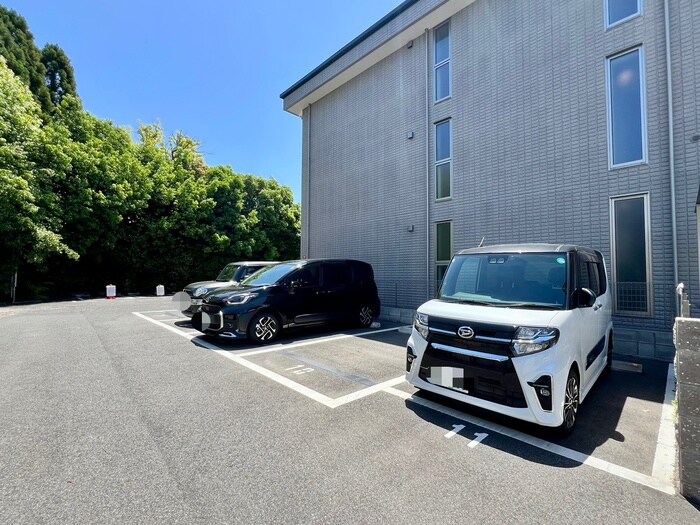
[{"x": 265, "y": 327}]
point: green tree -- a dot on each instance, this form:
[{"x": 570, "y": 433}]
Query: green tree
[
  {"x": 22, "y": 56},
  {"x": 164, "y": 242},
  {"x": 83, "y": 205},
  {"x": 254, "y": 218},
  {"x": 60, "y": 77},
  {"x": 25, "y": 232},
  {"x": 94, "y": 180}
]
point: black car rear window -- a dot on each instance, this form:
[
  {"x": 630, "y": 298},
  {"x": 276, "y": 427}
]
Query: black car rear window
[
  {"x": 363, "y": 272},
  {"x": 336, "y": 274}
]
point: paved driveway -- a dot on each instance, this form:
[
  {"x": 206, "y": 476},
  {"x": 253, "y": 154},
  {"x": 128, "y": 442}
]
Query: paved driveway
[{"x": 117, "y": 411}]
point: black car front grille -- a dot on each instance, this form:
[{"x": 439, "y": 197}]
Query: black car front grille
[
  {"x": 488, "y": 338},
  {"x": 210, "y": 318},
  {"x": 483, "y": 361},
  {"x": 211, "y": 309}
]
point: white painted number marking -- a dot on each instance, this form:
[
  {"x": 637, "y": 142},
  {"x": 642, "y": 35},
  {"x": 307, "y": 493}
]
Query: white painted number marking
[
  {"x": 453, "y": 433},
  {"x": 456, "y": 429},
  {"x": 299, "y": 372},
  {"x": 479, "y": 438}
]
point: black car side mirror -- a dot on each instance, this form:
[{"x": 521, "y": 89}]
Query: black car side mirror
[
  {"x": 293, "y": 285},
  {"x": 585, "y": 298}
]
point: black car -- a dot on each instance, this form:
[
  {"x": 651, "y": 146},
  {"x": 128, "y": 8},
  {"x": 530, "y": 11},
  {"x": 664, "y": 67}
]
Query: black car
[
  {"x": 232, "y": 274},
  {"x": 294, "y": 293}
]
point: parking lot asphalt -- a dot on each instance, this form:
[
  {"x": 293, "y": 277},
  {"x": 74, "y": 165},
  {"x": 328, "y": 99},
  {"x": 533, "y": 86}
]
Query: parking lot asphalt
[{"x": 117, "y": 411}]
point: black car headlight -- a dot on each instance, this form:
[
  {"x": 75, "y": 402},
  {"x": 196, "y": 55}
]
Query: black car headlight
[{"x": 240, "y": 298}]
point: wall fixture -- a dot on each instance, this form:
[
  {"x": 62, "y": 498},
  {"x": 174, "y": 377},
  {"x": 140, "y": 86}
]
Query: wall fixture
[
  {"x": 695, "y": 138},
  {"x": 410, "y": 228},
  {"x": 409, "y": 45},
  {"x": 409, "y": 135}
]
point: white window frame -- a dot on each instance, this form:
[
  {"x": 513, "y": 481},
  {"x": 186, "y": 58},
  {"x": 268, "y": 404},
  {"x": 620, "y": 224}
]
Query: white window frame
[
  {"x": 441, "y": 262},
  {"x": 606, "y": 15},
  {"x": 613, "y": 252},
  {"x": 441, "y": 162},
  {"x": 643, "y": 99},
  {"x": 447, "y": 61}
]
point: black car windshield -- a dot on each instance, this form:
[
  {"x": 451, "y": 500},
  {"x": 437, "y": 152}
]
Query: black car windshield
[
  {"x": 518, "y": 280},
  {"x": 228, "y": 273},
  {"x": 270, "y": 275}
]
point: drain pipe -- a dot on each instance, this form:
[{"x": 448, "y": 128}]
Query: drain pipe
[
  {"x": 671, "y": 145},
  {"x": 306, "y": 205},
  {"x": 427, "y": 164}
]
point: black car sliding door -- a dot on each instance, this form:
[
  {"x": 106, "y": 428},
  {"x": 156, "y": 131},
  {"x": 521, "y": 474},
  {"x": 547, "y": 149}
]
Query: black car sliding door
[
  {"x": 336, "y": 278},
  {"x": 305, "y": 300}
]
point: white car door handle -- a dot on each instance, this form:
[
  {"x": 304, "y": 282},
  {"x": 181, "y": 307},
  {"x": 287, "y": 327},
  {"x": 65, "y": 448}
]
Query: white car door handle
[{"x": 598, "y": 306}]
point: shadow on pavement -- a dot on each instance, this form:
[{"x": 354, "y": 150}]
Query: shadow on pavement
[{"x": 599, "y": 416}]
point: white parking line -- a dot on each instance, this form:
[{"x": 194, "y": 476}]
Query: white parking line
[
  {"x": 349, "y": 398},
  {"x": 156, "y": 311},
  {"x": 301, "y": 389},
  {"x": 166, "y": 326},
  {"x": 665, "y": 456},
  {"x": 579, "y": 457},
  {"x": 293, "y": 385},
  {"x": 664, "y": 461},
  {"x": 315, "y": 342}
]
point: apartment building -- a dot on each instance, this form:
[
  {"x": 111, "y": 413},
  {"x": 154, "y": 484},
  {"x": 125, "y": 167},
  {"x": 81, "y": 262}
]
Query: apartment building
[{"x": 449, "y": 123}]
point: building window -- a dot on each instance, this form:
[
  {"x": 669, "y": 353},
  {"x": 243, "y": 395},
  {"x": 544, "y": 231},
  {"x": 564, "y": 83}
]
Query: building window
[
  {"x": 442, "y": 62},
  {"x": 631, "y": 257},
  {"x": 443, "y": 159},
  {"x": 619, "y": 11},
  {"x": 443, "y": 249},
  {"x": 626, "y": 109}
]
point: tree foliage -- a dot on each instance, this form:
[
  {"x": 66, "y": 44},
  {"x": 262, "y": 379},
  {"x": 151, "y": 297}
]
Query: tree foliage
[
  {"x": 83, "y": 205},
  {"x": 26, "y": 232},
  {"x": 60, "y": 77},
  {"x": 22, "y": 55}
]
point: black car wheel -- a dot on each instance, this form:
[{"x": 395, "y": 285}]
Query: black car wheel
[
  {"x": 365, "y": 316},
  {"x": 264, "y": 328},
  {"x": 571, "y": 404}
]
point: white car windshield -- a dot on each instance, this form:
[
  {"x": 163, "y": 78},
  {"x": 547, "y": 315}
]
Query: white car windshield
[{"x": 524, "y": 280}]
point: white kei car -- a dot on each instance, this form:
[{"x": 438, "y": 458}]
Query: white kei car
[{"x": 523, "y": 330}]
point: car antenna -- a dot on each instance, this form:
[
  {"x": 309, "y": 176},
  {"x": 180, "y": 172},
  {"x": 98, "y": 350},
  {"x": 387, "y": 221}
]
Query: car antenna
[{"x": 481, "y": 243}]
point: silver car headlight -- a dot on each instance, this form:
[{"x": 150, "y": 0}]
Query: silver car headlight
[
  {"x": 420, "y": 323},
  {"x": 240, "y": 298},
  {"x": 529, "y": 340}
]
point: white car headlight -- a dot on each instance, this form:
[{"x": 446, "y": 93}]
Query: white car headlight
[
  {"x": 200, "y": 291},
  {"x": 240, "y": 298},
  {"x": 420, "y": 323},
  {"x": 529, "y": 340}
]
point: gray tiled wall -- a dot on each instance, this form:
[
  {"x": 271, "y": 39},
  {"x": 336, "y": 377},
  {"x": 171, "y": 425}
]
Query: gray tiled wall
[
  {"x": 530, "y": 161},
  {"x": 685, "y": 60}
]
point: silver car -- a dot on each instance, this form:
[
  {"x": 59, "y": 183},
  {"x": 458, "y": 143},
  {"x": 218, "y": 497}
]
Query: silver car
[{"x": 232, "y": 274}]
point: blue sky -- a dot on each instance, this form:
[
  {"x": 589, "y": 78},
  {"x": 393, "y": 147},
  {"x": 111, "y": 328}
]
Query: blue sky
[{"x": 213, "y": 69}]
